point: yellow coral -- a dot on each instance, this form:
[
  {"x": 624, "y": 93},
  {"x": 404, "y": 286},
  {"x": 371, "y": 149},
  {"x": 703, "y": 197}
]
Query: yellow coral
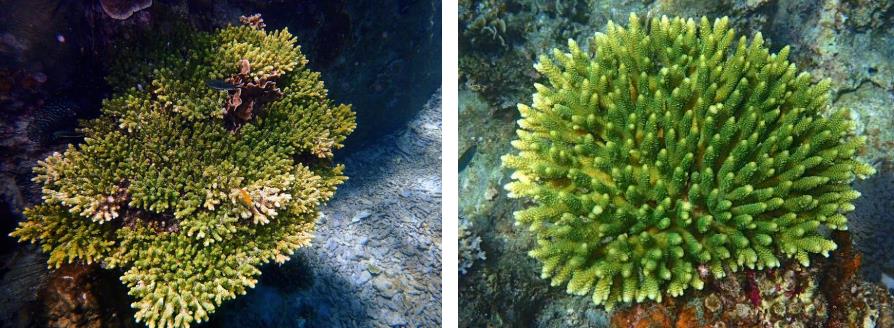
[{"x": 169, "y": 186}]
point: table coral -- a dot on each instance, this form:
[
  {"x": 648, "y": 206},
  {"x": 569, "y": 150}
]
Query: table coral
[
  {"x": 185, "y": 190},
  {"x": 667, "y": 153}
]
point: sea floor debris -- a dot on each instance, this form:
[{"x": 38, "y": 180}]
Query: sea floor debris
[{"x": 830, "y": 293}]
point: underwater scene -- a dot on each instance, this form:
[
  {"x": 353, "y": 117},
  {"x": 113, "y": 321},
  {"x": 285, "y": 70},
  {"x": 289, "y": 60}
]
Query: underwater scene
[
  {"x": 676, "y": 163},
  {"x": 237, "y": 163}
]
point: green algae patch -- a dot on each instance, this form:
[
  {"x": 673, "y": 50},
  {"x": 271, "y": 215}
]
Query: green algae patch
[
  {"x": 669, "y": 152},
  {"x": 211, "y": 159}
]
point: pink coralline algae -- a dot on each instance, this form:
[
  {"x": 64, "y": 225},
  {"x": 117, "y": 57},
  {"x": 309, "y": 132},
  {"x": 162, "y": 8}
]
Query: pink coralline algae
[
  {"x": 123, "y": 9},
  {"x": 751, "y": 288}
]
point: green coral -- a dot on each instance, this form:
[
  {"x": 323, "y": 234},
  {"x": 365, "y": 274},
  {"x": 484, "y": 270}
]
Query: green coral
[
  {"x": 667, "y": 152},
  {"x": 189, "y": 188}
]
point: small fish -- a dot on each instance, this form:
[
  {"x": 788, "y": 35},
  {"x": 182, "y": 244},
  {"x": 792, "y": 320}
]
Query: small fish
[
  {"x": 467, "y": 156},
  {"x": 220, "y": 85},
  {"x": 67, "y": 134},
  {"x": 56, "y": 120},
  {"x": 245, "y": 197}
]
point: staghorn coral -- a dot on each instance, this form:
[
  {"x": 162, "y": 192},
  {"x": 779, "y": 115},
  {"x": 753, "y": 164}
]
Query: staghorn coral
[
  {"x": 668, "y": 153},
  {"x": 185, "y": 193}
]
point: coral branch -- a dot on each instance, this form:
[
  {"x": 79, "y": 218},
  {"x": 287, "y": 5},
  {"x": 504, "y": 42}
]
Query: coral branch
[
  {"x": 668, "y": 153},
  {"x": 163, "y": 188}
]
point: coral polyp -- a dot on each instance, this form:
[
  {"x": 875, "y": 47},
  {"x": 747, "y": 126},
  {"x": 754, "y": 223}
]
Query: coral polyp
[
  {"x": 668, "y": 146},
  {"x": 185, "y": 187}
]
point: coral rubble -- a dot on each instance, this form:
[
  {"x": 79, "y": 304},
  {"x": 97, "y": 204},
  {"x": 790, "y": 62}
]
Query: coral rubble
[
  {"x": 469, "y": 246},
  {"x": 188, "y": 188},
  {"x": 668, "y": 153},
  {"x": 827, "y": 294}
]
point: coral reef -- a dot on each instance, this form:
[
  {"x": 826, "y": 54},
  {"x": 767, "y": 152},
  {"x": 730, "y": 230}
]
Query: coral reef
[
  {"x": 469, "y": 246},
  {"x": 789, "y": 296},
  {"x": 82, "y": 296},
  {"x": 824, "y": 38},
  {"x": 668, "y": 153},
  {"x": 185, "y": 193}
]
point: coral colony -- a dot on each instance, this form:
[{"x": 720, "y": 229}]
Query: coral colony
[
  {"x": 667, "y": 153},
  {"x": 189, "y": 188}
]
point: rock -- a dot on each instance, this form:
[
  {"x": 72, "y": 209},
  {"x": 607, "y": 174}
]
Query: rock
[
  {"x": 596, "y": 318},
  {"x": 123, "y": 9},
  {"x": 82, "y": 296},
  {"x": 360, "y": 216},
  {"x": 361, "y": 278},
  {"x": 372, "y": 268},
  {"x": 322, "y": 219},
  {"x": 888, "y": 281},
  {"x": 491, "y": 193},
  {"x": 395, "y": 320},
  {"x": 384, "y": 286}
]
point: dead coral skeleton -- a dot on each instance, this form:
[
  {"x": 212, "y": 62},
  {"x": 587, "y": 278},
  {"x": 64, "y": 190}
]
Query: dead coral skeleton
[
  {"x": 469, "y": 246},
  {"x": 254, "y": 21}
]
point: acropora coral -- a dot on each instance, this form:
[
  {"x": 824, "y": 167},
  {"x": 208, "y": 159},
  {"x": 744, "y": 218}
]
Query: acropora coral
[
  {"x": 211, "y": 160},
  {"x": 666, "y": 153}
]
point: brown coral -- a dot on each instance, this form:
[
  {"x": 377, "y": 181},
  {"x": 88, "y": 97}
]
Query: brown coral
[
  {"x": 81, "y": 296},
  {"x": 688, "y": 318},
  {"x": 254, "y": 21},
  {"x": 645, "y": 316},
  {"x": 850, "y": 298},
  {"x": 713, "y": 303},
  {"x": 248, "y": 95}
]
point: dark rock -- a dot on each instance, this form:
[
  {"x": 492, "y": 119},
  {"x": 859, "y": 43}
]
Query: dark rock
[
  {"x": 123, "y": 9},
  {"x": 872, "y": 226},
  {"x": 292, "y": 276},
  {"x": 382, "y": 57},
  {"x": 82, "y": 296}
]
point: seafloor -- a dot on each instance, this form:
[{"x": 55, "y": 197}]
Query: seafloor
[
  {"x": 376, "y": 259},
  {"x": 851, "y": 42}
]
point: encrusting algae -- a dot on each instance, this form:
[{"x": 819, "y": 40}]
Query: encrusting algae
[{"x": 189, "y": 188}]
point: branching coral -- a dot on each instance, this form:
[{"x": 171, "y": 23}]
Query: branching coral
[
  {"x": 668, "y": 153},
  {"x": 186, "y": 192}
]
